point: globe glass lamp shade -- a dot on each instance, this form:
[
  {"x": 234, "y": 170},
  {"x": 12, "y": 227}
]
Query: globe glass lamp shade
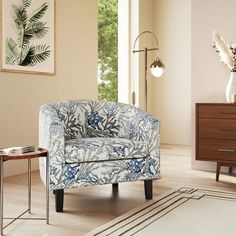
[
  {"x": 156, "y": 71},
  {"x": 157, "y": 68}
]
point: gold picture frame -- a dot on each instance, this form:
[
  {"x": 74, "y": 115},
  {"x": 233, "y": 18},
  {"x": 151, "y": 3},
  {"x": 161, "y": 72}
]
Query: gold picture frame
[{"x": 28, "y": 36}]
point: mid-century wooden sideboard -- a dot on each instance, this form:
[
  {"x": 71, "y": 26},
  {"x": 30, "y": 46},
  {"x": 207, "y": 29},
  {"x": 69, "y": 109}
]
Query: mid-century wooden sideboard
[{"x": 216, "y": 134}]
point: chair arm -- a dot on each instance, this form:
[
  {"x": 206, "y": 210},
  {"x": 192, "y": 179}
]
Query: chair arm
[
  {"x": 51, "y": 134},
  {"x": 146, "y": 128}
]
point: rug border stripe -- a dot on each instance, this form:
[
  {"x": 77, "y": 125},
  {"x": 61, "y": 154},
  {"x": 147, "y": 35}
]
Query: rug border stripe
[{"x": 186, "y": 193}]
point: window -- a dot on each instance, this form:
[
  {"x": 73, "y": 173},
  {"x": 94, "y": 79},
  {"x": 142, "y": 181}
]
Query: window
[{"x": 108, "y": 50}]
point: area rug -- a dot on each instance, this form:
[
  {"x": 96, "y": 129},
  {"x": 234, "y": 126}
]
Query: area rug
[{"x": 185, "y": 212}]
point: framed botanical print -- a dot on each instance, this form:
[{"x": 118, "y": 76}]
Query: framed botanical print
[{"x": 28, "y": 36}]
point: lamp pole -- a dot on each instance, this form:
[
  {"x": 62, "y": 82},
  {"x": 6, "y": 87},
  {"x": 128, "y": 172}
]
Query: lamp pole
[
  {"x": 145, "y": 77},
  {"x": 157, "y": 63}
]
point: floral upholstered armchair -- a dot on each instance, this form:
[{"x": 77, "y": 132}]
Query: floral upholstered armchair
[{"x": 97, "y": 142}]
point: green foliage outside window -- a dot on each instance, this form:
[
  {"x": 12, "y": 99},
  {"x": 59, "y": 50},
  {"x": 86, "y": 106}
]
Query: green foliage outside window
[{"x": 108, "y": 49}]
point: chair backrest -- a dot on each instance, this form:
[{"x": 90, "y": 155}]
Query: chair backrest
[
  {"x": 87, "y": 118},
  {"x": 103, "y": 119}
]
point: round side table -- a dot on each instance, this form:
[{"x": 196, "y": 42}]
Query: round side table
[{"x": 39, "y": 152}]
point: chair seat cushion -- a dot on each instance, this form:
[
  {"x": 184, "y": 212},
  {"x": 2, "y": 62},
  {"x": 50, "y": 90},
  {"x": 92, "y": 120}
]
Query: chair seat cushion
[{"x": 103, "y": 149}]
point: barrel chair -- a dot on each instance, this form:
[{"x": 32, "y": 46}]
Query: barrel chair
[{"x": 97, "y": 142}]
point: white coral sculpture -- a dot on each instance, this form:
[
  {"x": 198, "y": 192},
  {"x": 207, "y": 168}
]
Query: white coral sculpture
[{"x": 227, "y": 53}]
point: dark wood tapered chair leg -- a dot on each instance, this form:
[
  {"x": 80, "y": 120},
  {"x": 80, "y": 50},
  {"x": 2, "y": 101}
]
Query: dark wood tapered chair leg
[
  {"x": 148, "y": 188},
  {"x": 59, "y": 200},
  {"x": 218, "y": 165},
  {"x": 115, "y": 185}
]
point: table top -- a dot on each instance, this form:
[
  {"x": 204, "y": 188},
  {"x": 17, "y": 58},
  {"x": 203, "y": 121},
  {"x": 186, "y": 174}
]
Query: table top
[{"x": 40, "y": 152}]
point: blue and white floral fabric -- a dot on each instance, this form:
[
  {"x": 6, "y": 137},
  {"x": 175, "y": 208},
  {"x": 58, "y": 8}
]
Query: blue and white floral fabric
[
  {"x": 103, "y": 149},
  {"x": 98, "y": 142}
]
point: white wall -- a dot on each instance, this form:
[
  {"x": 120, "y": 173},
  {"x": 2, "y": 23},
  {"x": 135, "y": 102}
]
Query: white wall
[
  {"x": 76, "y": 61},
  {"x": 171, "y": 94},
  {"x": 134, "y": 58},
  {"x": 141, "y": 19},
  {"x": 123, "y": 51},
  {"x": 209, "y": 76},
  {"x": 146, "y": 23}
]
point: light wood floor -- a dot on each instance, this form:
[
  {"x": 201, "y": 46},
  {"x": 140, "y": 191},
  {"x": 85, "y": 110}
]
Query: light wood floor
[{"x": 90, "y": 207}]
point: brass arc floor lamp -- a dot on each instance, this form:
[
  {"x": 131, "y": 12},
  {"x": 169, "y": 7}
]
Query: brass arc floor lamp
[{"x": 156, "y": 68}]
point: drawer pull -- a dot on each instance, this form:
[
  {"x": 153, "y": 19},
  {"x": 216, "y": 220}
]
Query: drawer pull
[
  {"x": 226, "y": 113},
  {"x": 225, "y": 150},
  {"x": 227, "y": 130}
]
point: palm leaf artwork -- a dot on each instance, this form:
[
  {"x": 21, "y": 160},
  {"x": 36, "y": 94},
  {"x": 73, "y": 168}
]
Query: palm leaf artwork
[{"x": 29, "y": 27}]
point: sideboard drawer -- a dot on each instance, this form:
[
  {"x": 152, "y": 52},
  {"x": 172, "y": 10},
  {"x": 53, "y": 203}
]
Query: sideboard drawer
[
  {"x": 217, "y": 128},
  {"x": 210, "y": 149},
  {"x": 217, "y": 111}
]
